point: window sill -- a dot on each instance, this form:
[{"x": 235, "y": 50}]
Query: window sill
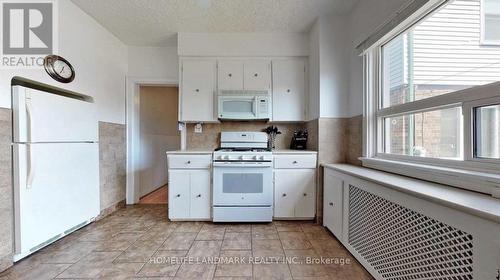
[{"x": 471, "y": 180}]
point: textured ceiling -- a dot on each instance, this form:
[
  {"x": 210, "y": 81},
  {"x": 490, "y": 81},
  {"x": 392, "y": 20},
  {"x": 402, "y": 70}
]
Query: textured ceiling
[{"x": 156, "y": 22}]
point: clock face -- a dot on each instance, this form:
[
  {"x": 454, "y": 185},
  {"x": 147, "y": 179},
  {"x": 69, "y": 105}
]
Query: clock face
[{"x": 59, "y": 68}]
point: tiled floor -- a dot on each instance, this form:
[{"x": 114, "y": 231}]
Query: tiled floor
[
  {"x": 159, "y": 196},
  {"x": 139, "y": 243}
]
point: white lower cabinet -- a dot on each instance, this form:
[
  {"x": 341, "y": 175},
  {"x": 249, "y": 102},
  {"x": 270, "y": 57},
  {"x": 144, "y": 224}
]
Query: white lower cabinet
[
  {"x": 294, "y": 187},
  {"x": 333, "y": 203},
  {"x": 189, "y": 189}
]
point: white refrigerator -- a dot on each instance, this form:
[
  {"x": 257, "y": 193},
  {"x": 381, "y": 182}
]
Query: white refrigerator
[{"x": 55, "y": 166}]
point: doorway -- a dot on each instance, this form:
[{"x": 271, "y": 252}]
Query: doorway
[{"x": 158, "y": 133}]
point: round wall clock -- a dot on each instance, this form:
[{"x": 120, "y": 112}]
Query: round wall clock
[{"x": 59, "y": 68}]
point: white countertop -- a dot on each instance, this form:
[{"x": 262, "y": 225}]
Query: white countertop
[
  {"x": 189, "y": 152},
  {"x": 477, "y": 204},
  {"x": 294, "y": 152}
]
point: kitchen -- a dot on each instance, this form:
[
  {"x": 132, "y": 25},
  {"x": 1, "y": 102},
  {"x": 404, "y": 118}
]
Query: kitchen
[{"x": 302, "y": 140}]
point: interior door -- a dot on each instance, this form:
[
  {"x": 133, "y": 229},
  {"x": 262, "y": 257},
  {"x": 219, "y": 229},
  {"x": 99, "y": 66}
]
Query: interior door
[
  {"x": 257, "y": 75},
  {"x": 289, "y": 90},
  {"x": 200, "y": 194},
  {"x": 179, "y": 182},
  {"x": 47, "y": 117},
  {"x": 230, "y": 74},
  {"x": 197, "y": 90},
  {"x": 306, "y": 192},
  {"x": 285, "y": 193},
  {"x": 56, "y": 188}
]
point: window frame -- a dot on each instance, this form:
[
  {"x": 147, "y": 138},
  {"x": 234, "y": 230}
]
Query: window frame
[
  {"x": 483, "y": 41},
  {"x": 487, "y": 171}
]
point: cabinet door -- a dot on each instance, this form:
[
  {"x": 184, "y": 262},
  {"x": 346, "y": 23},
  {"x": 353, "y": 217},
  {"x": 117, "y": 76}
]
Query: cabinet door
[
  {"x": 230, "y": 74},
  {"x": 200, "y": 194},
  {"x": 306, "y": 193},
  {"x": 289, "y": 90},
  {"x": 285, "y": 196},
  {"x": 197, "y": 90},
  {"x": 333, "y": 204},
  {"x": 178, "y": 194},
  {"x": 257, "y": 74}
]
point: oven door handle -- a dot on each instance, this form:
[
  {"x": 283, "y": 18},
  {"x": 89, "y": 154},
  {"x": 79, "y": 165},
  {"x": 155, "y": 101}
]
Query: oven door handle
[{"x": 240, "y": 165}]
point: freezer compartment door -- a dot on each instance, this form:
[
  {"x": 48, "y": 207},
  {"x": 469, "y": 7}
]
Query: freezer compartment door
[
  {"x": 56, "y": 189},
  {"x": 46, "y": 117}
]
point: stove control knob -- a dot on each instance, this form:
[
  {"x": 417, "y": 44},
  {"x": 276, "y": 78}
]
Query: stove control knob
[
  {"x": 261, "y": 157},
  {"x": 255, "y": 157},
  {"x": 241, "y": 157}
]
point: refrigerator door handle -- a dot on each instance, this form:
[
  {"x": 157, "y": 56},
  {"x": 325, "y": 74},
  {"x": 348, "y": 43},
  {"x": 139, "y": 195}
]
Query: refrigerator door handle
[
  {"x": 29, "y": 162},
  {"x": 29, "y": 119}
]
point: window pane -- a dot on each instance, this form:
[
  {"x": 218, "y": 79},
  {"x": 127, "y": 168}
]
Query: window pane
[
  {"x": 433, "y": 134},
  {"x": 492, "y": 20},
  {"x": 487, "y": 144},
  {"x": 441, "y": 54}
]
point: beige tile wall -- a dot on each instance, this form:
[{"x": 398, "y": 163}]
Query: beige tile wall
[
  {"x": 354, "y": 143},
  {"x": 6, "y": 206},
  {"x": 209, "y": 139},
  {"x": 112, "y": 162}
]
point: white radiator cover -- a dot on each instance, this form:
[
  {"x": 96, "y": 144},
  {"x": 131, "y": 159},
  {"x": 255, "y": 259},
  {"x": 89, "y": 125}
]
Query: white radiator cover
[{"x": 398, "y": 236}]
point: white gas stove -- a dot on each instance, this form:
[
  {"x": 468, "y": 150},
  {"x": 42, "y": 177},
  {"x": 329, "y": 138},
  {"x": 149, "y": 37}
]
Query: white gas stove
[{"x": 242, "y": 178}]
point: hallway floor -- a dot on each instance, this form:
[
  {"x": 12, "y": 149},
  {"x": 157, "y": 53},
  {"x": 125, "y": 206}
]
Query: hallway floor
[
  {"x": 139, "y": 242},
  {"x": 159, "y": 196}
]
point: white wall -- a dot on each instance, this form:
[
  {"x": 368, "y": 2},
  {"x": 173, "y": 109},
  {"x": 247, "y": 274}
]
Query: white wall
[
  {"x": 364, "y": 19},
  {"x": 328, "y": 68},
  {"x": 153, "y": 62},
  {"x": 243, "y": 44},
  {"x": 99, "y": 59}
]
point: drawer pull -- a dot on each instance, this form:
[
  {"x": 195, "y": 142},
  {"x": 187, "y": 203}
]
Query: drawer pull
[
  {"x": 295, "y": 162},
  {"x": 331, "y": 203},
  {"x": 284, "y": 194},
  {"x": 178, "y": 195},
  {"x": 198, "y": 195},
  {"x": 288, "y": 90},
  {"x": 188, "y": 162}
]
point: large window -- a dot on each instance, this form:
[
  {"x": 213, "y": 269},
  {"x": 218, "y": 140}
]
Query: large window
[
  {"x": 491, "y": 21},
  {"x": 433, "y": 90}
]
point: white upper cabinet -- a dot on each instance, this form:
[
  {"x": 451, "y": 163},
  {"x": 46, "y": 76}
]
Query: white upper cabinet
[
  {"x": 289, "y": 90},
  {"x": 230, "y": 74},
  {"x": 257, "y": 74},
  {"x": 197, "y": 90}
]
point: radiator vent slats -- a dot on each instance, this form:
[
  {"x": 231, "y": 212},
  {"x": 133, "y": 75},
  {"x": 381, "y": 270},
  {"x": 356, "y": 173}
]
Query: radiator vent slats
[{"x": 400, "y": 243}]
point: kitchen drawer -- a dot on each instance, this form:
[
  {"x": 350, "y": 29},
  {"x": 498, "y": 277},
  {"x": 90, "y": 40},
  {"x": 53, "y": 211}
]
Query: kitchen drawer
[
  {"x": 295, "y": 161},
  {"x": 189, "y": 161}
]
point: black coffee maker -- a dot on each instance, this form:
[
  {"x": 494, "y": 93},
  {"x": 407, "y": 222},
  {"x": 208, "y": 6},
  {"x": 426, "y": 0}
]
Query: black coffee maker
[{"x": 299, "y": 140}]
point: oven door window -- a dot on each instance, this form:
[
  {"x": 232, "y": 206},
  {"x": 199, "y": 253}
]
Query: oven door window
[
  {"x": 242, "y": 183},
  {"x": 238, "y": 107}
]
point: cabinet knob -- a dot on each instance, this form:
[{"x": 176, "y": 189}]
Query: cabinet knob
[
  {"x": 255, "y": 75},
  {"x": 178, "y": 195},
  {"x": 295, "y": 162},
  {"x": 331, "y": 203},
  {"x": 230, "y": 75},
  {"x": 305, "y": 194},
  {"x": 197, "y": 90},
  {"x": 198, "y": 195},
  {"x": 284, "y": 194},
  {"x": 188, "y": 162},
  {"x": 288, "y": 90}
]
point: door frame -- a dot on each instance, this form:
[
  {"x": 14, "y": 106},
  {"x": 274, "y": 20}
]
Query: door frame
[{"x": 133, "y": 85}]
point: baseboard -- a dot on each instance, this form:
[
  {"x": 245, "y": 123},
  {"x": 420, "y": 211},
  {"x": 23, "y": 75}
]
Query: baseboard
[
  {"x": 109, "y": 210},
  {"x": 6, "y": 262}
]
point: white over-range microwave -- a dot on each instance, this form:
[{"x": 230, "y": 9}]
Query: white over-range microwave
[{"x": 244, "y": 105}]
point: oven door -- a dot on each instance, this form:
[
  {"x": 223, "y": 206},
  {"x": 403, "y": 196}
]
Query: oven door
[
  {"x": 242, "y": 184},
  {"x": 237, "y": 107}
]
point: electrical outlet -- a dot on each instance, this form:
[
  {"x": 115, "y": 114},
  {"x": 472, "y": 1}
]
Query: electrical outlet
[{"x": 198, "y": 128}]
